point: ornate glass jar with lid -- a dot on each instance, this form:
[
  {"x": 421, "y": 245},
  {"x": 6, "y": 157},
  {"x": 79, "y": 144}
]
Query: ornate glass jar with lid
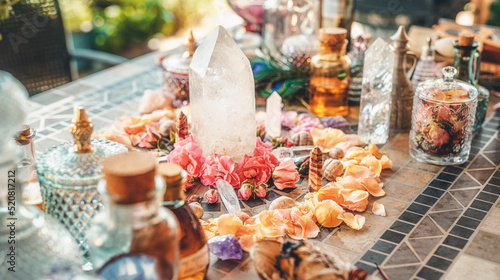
[
  {"x": 68, "y": 174},
  {"x": 443, "y": 118},
  {"x": 31, "y": 244}
]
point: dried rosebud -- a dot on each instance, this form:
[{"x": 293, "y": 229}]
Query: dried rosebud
[
  {"x": 245, "y": 192},
  {"x": 194, "y": 198},
  {"x": 211, "y": 196},
  {"x": 260, "y": 190}
]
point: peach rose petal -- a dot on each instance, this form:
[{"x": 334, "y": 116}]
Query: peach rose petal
[
  {"x": 358, "y": 171},
  {"x": 353, "y": 139},
  {"x": 348, "y": 182},
  {"x": 356, "y": 153},
  {"x": 372, "y": 186},
  {"x": 354, "y": 221},
  {"x": 327, "y": 213},
  {"x": 373, "y": 163},
  {"x": 385, "y": 162},
  {"x": 329, "y": 191},
  {"x": 228, "y": 224},
  {"x": 344, "y": 146},
  {"x": 247, "y": 241},
  {"x": 327, "y": 138},
  {"x": 379, "y": 209},
  {"x": 354, "y": 200},
  {"x": 304, "y": 228},
  {"x": 375, "y": 151}
]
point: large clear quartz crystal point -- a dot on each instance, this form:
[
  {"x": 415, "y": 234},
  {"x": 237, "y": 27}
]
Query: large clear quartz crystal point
[
  {"x": 375, "y": 105},
  {"x": 222, "y": 97}
]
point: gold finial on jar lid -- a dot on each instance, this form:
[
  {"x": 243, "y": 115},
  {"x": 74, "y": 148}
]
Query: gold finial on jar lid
[
  {"x": 190, "y": 44},
  {"x": 82, "y": 128},
  {"x": 130, "y": 177}
]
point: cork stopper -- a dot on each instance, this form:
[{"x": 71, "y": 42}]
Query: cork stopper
[
  {"x": 174, "y": 179},
  {"x": 82, "y": 128},
  {"x": 25, "y": 136},
  {"x": 130, "y": 177},
  {"x": 332, "y": 39},
  {"x": 190, "y": 44},
  {"x": 466, "y": 39}
]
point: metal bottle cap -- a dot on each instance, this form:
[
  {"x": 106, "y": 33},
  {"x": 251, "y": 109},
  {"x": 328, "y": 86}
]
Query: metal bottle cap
[{"x": 25, "y": 136}]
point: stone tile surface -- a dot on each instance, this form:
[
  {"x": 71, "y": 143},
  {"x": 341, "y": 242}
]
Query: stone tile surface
[
  {"x": 485, "y": 245},
  {"x": 470, "y": 267},
  {"x": 417, "y": 178}
]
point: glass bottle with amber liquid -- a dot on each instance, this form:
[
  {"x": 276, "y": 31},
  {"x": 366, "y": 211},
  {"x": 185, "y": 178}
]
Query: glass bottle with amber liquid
[
  {"x": 134, "y": 238},
  {"x": 329, "y": 83},
  {"x": 194, "y": 257}
]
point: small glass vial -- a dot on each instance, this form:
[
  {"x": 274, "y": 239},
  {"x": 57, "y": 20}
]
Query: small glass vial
[
  {"x": 443, "y": 116},
  {"x": 426, "y": 66},
  {"x": 330, "y": 75},
  {"x": 359, "y": 46},
  {"x": 467, "y": 61},
  {"x": 134, "y": 230},
  {"x": 194, "y": 257},
  {"x": 27, "y": 167},
  {"x": 176, "y": 73}
]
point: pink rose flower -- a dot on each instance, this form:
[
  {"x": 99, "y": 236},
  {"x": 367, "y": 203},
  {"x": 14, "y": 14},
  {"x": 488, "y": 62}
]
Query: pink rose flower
[
  {"x": 254, "y": 169},
  {"x": 262, "y": 147},
  {"x": 211, "y": 196},
  {"x": 147, "y": 137},
  {"x": 260, "y": 190},
  {"x": 437, "y": 135},
  {"x": 245, "y": 192},
  {"x": 219, "y": 167},
  {"x": 286, "y": 175},
  {"x": 189, "y": 156}
]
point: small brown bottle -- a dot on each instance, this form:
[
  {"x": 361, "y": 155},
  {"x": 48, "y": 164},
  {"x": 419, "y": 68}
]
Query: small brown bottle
[
  {"x": 330, "y": 68},
  {"x": 194, "y": 257}
]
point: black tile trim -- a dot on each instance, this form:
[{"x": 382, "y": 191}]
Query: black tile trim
[
  {"x": 402, "y": 227},
  {"x": 497, "y": 174},
  {"x": 418, "y": 208},
  {"x": 366, "y": 267},
  {"x": 447, "y": 177},
  {"x": 446, "y": 252},
  {"x": 481, "y": 205},
  {"x": 453, "y": 170},
  {"x": 492, "y": 189},
  {"x": 443, "y": 185},
  {"x": 467, "y": 222},
  {"x": 487, "y": 197},
  {"x": 439, "y": 263},
  {"x": 374, "y": 257},
  {"x": 410, "y": 217},
  {"x": 476, "y": 214},
  {"x": 494, "y": 181},
  {"x": 384, "y": 247},
  {"x": 461, "y": 231},
  {"x": 427, "y": 200},
  {"x": 429, "y": 274},
  {"x": 433, "y": 192},
  {"x": 392, "y": 236},
  {"x": 456, "y": 242}
]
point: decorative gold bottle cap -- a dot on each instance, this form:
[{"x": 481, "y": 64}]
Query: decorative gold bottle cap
[
  {"x": 82, "y": 128},
  {"x": 172, "y": 174},
  {"x": 190, "y": 44},
  {"x": 130, "y": 177},
  {"x": 400, "y": 39},
  {"x": 332, "y": 39},
  {"x": 26, "y": 135}
]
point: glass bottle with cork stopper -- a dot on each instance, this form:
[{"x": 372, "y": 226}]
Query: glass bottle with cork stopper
[
  {"x": 176, "y": 72},
  {"x": 194, "y": 257},
  {"x": 330, "y": 68},
  {"x": 468, "y": 63},
  {"x": 134, "y": 230},
  {"x": 27, "y": 167}
]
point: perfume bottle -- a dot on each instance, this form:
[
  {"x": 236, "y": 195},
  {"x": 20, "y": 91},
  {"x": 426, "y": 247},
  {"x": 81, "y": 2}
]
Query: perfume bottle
[
  {"x": 330, "y": 75},
  {"x": 31, "y": 243},
  {"x": 176, "y": 72},
  {"x": 336, "y": 13},
  {"x": 68, "y": 175},
  {"x": 194, "y": 257},
  {"x": 27, "y": 167},
  {"x": 467, "y": 61},
  {"x": 357, "y": 56},
  {"x": 426, "y": 66},
  {"x": 134, "y": 230},
  {"x": 402, "y": 89}
]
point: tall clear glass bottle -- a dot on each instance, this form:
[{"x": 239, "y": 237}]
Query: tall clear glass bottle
[
  {"x": 27, "y": 167},
  {"x": 194, "y": 257},
  {"x": 31, "y": 244},
  {"x": 134, "y": 230},
  {"x": 468, "y": 63},
  {"x": 357, "y": 55},
  {"x": 330, "y": 75}
]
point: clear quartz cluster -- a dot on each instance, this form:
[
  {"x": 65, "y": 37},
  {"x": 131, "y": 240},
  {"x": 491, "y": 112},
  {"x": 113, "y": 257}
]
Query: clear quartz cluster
[
  {"x": 375, "y": 107},
  {"x": 222, "y": 97}
]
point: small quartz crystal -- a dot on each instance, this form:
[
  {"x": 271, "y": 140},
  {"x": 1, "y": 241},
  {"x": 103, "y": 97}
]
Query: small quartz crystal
[
  {"x": 273, "y": 115},
  {"x": 225, "y": 247}
]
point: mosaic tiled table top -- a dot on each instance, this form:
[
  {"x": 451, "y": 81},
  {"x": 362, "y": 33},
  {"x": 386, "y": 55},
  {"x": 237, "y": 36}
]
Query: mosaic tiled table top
[{"x": 442, "y": 223}]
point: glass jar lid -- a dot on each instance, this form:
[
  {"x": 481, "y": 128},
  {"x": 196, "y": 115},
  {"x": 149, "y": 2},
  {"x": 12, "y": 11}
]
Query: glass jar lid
[{"x": 447, "y": 89}]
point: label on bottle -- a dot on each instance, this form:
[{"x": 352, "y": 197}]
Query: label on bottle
[
  {"x": 342, "y": 75},
  {"x": 333, "y": 8},
  {"x": 194, "y": 263}
]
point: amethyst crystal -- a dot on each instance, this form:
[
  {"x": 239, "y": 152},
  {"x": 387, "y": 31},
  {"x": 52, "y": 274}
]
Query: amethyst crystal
[
  {"x": 337, "y": 122},
  {"x": 225, "y": 247}
]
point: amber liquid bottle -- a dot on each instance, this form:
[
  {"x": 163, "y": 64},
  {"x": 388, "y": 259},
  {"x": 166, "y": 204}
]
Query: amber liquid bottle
[
  {"x": 330, "y": 68},
  {"x": 194, "y": 257}
]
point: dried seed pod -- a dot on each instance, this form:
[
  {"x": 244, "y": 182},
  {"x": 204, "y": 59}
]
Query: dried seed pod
[
  {"x": 315, "y": 169},
  {"x": 182, "y": 127},
  {"x": 264, "y": 255},
  {"x": 302, "y": 138},
  {"x": 166, "y": 127},
  {"x": 336, "y": 153},
  {"x": 283, "y": 202},
  {"x": 197, "y": 209},
  {"x": 332, "y": 168}
]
